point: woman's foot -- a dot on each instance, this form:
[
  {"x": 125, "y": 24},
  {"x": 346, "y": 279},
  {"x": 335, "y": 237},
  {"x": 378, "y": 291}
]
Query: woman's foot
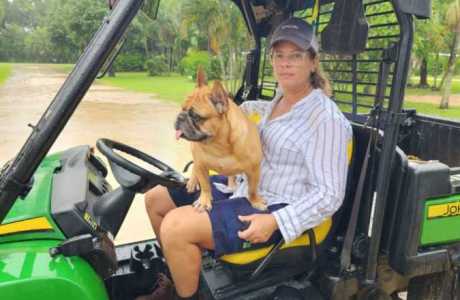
[{"x": 164, "y": 290}]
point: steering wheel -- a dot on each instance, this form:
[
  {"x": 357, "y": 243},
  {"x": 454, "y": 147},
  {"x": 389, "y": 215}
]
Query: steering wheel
[{"x": 133, "y": 176}]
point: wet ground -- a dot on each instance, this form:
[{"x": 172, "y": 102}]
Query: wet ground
[{"x": 137, "y": 119}]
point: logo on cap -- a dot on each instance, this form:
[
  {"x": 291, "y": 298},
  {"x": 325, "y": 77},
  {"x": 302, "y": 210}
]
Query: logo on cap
[{"x": 290, "y": 26}]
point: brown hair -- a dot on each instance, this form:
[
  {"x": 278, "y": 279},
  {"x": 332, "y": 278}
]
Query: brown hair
[{"x": 318, "y": 79}]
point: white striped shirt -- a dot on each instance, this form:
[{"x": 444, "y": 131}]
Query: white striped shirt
[{"x": 304, "y": 161}]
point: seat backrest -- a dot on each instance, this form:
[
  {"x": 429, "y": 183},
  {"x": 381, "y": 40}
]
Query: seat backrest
[{"x": 361, "y": 137}]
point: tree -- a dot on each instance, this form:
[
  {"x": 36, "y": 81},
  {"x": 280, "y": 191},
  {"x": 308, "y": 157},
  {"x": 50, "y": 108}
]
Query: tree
[
  {"x": 38, "y": 46},
  {"x": 218, "y": 27},
  {"x": 453, "y": 22},
  {"x": 429, "y": 41},
  {"x": 2, "y": 13}
]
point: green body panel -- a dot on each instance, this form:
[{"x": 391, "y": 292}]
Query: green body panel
[
  {"x": 37, "y": 203},
  {"x": 442, "y": 224},
  {"x": 27, "y": 272}
]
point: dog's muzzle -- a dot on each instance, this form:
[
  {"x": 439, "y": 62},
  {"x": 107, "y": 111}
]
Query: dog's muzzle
[{"x": 189, "y": 130}]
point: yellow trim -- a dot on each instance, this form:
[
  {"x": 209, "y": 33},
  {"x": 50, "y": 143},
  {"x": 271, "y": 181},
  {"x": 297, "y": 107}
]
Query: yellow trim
[
  {"x": 315, "y": 13},
  {"x": 255, "y": 117},
  {"x": 443, "y": 210},
  {"x": 249, "y": 256},
  {"x": 350, "y": 151},
  {"x": 35, "y": 224}
]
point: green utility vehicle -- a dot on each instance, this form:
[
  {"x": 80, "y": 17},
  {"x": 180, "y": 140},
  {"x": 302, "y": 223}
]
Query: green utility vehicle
[{"x": 398, "y": 229}]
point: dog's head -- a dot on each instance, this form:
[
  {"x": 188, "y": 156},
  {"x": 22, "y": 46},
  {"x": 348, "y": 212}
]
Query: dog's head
[{"x": 202, "y": 112}]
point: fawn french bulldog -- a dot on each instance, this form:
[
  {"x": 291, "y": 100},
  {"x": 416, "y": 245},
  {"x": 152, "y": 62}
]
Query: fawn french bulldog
[{"x": 222, "y": 139}]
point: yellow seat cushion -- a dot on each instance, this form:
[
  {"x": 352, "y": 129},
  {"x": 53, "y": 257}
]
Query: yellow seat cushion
[
  {"x": 249, "y": 256},
  {"x": 255, "y": 117}
]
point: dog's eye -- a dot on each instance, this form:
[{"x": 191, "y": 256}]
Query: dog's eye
[{"x": 195, "y": 117}]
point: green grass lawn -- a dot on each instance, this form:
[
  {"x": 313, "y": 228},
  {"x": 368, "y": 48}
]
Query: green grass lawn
[
  {"x": 173, "y": 88},
  {"x": 170, "y": 88},
  {"x": 452, "y": 113},
  {"x": 429, "y": 91},
  {"x": 5, "y": 71}
]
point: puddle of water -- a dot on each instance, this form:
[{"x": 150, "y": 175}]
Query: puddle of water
[{"x": 131, "y": 118}]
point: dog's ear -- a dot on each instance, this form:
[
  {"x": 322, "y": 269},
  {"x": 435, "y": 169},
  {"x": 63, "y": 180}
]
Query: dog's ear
[
  {"x": 219, "y": 97},
  {"x": 200, "y": 77}
]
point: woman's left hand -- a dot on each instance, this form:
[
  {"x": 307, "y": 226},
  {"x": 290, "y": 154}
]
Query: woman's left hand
[{"x": 261, "y": 227}]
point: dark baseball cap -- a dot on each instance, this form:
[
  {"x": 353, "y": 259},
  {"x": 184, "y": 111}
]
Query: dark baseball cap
[{"x": 296, "y": 31}]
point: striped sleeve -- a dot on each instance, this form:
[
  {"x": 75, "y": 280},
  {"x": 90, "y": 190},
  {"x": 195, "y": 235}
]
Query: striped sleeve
[{"x": 326, "y": 161}]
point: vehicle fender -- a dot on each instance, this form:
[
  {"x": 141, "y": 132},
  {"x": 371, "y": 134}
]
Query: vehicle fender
[{"x": 27, "y": 271}]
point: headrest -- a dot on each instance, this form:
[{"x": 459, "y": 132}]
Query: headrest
[{"x": 346, "y": 32}]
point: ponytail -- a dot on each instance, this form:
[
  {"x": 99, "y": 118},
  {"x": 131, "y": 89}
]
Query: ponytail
[{"x": 318, "y": 79}]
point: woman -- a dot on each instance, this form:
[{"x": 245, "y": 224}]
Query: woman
[{"x": 303, "y": 172}]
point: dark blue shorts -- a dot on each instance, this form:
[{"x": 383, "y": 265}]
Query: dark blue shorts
[{"x": 224, "y": 218}]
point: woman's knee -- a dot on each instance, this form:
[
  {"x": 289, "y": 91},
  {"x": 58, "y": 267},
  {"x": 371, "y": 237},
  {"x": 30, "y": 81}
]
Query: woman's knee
[
  {"x": 158, "y": 201},
  {"x": 186, "y": 225}
]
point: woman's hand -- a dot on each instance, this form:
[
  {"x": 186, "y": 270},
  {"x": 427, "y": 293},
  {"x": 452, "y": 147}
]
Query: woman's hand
[{"x": 261, "y": 227}]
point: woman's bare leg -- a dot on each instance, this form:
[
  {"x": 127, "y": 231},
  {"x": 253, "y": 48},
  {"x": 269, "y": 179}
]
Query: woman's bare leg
[
  {"x": 184, "y": 232},
  {"x": 158, "y": 203}
]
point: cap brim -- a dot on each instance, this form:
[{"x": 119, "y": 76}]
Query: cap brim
[{"x": 296, "y": 42}]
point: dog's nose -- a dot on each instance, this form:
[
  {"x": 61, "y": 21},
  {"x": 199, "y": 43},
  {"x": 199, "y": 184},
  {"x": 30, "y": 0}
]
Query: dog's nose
[{"x": 180, "y": 118}]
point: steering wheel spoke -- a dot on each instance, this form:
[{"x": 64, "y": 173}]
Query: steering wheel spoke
[{"x": 168, "y": 176}]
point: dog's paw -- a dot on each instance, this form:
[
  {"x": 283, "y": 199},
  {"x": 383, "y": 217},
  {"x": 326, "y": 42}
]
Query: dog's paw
[
  {"x": 258, "y": 203},
  {"x": 232, "y": 183},
  {"x": 192, "y": 185},
  {"x": 202, "y": 205}
]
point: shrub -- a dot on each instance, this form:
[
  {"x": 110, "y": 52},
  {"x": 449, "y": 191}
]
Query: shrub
[
  {"x": 126, "y": 62},
  {"x": 189, "y": 64},
  {"x": 156, "y": 65}
]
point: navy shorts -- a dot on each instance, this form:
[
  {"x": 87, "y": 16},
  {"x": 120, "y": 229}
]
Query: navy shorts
[{"x": 224, "y": 218}]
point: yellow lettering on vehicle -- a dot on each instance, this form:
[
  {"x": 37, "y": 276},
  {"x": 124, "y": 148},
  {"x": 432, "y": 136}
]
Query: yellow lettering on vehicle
[
  {"x": 444, "y": 210},
  {"x": 89, "y": 219}
]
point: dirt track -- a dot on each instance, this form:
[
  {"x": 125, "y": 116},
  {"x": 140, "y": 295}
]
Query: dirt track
[
  {"x": 136, "y": 119},
  {"x": 454, "y": 99}
]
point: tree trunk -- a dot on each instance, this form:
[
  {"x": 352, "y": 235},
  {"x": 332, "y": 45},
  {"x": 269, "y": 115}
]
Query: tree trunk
[
  {"x": 111, "y": 71},
  {"x": 231, "y": 72},
  {"x": 146, "y": 47},
  {"x": 424, "y": 73},
  {"x": 170, "y": 59},
  {"x": 220, "y": 57},
  {"x": 436, "y": 69},
  {"x": 446, "y": 89}
]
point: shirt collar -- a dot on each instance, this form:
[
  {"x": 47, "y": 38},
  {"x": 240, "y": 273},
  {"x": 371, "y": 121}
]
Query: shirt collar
[{"x": 279, "y": 94}]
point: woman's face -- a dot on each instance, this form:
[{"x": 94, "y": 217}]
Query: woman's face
[{"x": 292, "y": 66}]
